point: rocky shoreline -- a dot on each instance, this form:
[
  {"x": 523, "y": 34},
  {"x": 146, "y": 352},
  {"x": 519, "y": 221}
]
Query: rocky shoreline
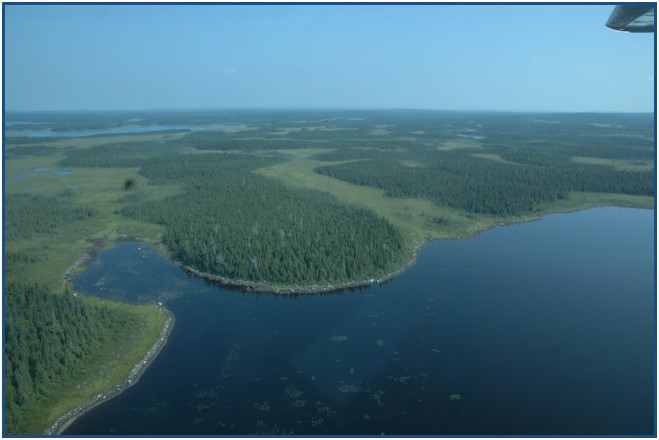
[
  {"x": 90, "y": 254},
  {"x": 254, "y": 286},
  {"x": 133, "y": 377},
  {"x": 83, "y": 261}
]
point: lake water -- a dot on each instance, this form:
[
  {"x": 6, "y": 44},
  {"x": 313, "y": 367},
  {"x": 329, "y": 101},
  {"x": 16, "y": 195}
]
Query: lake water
[
  {"x": 54, "y": 171},
  {"x": 37, "y": 172},
  {"x": 471, "y": 136},
  {"x": 541, "y": 328},
  {"x": 118, "y": 130}
]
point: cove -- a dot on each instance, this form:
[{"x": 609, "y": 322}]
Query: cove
[{"x": 543, "y": 328}]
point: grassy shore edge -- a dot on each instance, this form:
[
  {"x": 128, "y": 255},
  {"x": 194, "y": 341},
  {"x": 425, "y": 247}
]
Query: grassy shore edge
[{"x": 66, "y": 419}]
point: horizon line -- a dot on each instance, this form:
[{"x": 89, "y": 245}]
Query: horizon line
[{"x": 313, "y": 108}]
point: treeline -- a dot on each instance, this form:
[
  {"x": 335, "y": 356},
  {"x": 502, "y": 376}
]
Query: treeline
[
  {"x": 48, "y": 338},
  {"x": 245, "y": 141},
  {"x": 459, "y": 180},
  {"x": 114, "y": 155},
  {"x": 31, "y": 150},
  {"x": 197, "y": 171},
  {"x": 19, "y": 263},
  {"x": 615, "y": 136},
  {"x": 606, "y": 147},
  {"x": 540, "y": 149},
  {"x": 237, "y": 224},
  {"x": 33, "y": 214},
  {"x": 345, "y": 154},
  {"x": 25, "y": 140},
  {"x": 268, "y": 139}
]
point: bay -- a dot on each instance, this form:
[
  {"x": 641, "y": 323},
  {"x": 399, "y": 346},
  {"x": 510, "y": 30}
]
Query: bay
[{"x": 543, "y": 328}]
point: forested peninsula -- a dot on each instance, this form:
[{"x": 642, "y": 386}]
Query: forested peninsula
[{"x": 277, "y": 201}]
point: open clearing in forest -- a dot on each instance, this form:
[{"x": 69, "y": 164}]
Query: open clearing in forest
[
  {"x": 618, "y": 164},
  {"x": 98, "y": 188},
  {"x": 458, "y": 143},
  {"x": 417, "y": 218},
  {"x": 495, "y": 157}
]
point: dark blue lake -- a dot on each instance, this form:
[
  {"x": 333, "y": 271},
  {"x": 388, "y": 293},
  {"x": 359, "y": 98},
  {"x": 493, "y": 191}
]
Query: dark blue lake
[{"x": 543, "y": 328}]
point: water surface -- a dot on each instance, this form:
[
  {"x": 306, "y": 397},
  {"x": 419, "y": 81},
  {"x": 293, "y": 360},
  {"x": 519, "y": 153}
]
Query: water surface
[
  {"x": 54, "y": 171},
  {"x": 129, "y": 129},
  {"x": 542, "y": 328}
]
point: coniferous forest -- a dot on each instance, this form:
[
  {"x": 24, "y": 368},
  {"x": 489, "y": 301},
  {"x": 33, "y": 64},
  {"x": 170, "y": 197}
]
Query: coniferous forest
[
  {"x": 483, "y": 186},
  {"x": 233, "y": 222},
  {"x": 48, "y": 338}
]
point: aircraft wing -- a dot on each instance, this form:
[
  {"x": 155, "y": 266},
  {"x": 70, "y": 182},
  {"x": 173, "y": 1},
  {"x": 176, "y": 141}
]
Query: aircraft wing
[{"x": 632, "y": 18}]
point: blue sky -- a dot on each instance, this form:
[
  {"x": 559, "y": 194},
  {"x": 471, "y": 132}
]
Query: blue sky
[{"x": 453, "y": 57}]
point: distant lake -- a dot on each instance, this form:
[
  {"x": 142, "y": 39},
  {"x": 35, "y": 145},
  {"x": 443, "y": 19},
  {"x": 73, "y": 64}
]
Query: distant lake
[
  {"x": 36, "y": 172},
  {"x": 471, "y": 136},
  {"x": 54, "y": 171},
  {"x": 541, "y": 328},
  {"x": 116, "y": 130},
  {"x": 316, "y": 121},
  {"x": 11, "y": 123}
]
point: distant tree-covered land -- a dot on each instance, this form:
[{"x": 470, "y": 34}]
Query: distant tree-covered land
[
  {"x": 282, "y": 199},
  {"x": 484, "y": 186},
  {"x": 513, "y": 164}
]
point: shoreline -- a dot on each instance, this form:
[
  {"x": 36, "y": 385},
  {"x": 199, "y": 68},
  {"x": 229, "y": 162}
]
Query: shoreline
[
  {"x": 64, "y": 421},
  {"x": 263, "y": 287}
]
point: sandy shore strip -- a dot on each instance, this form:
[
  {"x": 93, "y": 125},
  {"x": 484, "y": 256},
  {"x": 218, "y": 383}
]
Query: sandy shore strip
[{"x": 133, "y": 377}]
